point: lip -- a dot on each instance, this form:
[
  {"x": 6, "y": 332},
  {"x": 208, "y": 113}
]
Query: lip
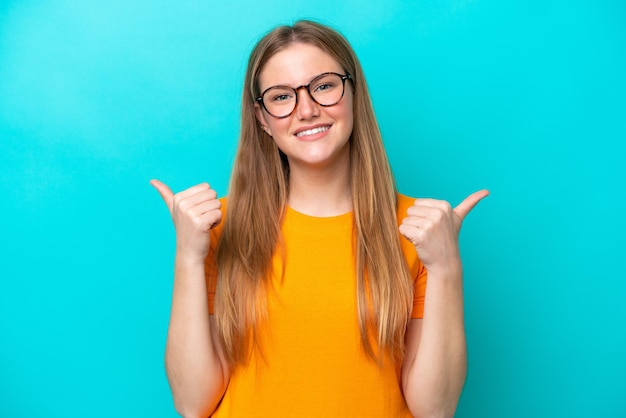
[{"x": 314, "y": 136}]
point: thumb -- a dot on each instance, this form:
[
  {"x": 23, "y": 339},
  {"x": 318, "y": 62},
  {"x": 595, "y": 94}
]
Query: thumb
[
  {"x": 165, "y": 192},
  {"x": 470, "y": 201}
]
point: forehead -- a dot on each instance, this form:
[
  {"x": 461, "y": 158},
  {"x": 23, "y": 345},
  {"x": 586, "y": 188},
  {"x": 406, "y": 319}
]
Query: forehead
[{"x": 296, "y": 65}]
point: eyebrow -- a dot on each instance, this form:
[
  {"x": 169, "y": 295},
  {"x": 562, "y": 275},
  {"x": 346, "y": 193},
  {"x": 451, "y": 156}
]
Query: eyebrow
[{"x": 301, "y": 85}]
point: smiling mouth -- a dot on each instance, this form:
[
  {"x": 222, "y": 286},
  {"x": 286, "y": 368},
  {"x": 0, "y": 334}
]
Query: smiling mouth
[{"x": 313, "y": 131}]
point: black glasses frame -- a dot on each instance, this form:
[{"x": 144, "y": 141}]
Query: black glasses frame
[{"x": 308, "y": 89}]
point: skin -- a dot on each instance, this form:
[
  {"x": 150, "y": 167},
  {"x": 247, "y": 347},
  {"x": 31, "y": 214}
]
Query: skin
[
  {"x": 319, "y": 164},
  {"x": 435, "y": 364},
  {"x": 196, "y": 368}
]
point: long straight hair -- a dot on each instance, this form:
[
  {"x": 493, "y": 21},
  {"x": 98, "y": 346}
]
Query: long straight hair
[{"x": 257, "y": 198}]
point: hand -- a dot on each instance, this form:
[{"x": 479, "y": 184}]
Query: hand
[
  {"x": 433, "y": 228},
  {"x": 194, "y": 212}
]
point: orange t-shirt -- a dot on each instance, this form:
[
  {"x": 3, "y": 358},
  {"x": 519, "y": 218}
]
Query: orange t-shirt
[{"x": 314, "y": 364}]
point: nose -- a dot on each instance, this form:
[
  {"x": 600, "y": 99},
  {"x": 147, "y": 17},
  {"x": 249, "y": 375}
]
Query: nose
[{"x": 306, "y": 107}]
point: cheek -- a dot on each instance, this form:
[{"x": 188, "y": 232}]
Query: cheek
[
  {"x": 347, "y": 115},
  {"x": 348, "y": 109},
  {"x": 350, "y": 116},
  {"x": 278, "y": 127}
]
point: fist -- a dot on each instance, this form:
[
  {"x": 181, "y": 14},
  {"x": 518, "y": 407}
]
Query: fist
[
  {"x": 194, "y": 212},
  {"x": 433, "y": 228}
]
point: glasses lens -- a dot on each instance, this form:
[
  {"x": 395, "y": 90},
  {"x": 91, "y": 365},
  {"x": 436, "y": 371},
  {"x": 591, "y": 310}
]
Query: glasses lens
[
  {"x": 327, "y": 89},
  {"x": 279, "y": 101}
]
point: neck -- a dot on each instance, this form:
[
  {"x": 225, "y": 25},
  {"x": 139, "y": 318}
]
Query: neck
[{"x": 322, "y": 192}]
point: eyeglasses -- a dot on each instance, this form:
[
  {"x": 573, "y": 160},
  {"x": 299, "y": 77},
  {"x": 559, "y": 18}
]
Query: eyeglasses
[{"x": 326, "y": 90}]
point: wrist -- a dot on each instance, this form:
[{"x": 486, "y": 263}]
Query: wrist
[
  {"x": 184, "y": 259},
  {"x": 452, "y": 270}
]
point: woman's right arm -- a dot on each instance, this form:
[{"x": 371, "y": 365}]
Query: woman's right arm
[{"x": 196, "y": 369}]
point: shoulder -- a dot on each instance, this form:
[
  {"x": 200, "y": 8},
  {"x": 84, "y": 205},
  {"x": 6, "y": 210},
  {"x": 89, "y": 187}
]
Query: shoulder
[
  {"x": 404, "y": 202},
  {"x": 224, "y": 201},
  {"x": 216, "y": 232},
  {"x": 418, "y": 272}
]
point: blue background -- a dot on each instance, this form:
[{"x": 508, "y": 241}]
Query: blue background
[{"x": 526, "y": 98}]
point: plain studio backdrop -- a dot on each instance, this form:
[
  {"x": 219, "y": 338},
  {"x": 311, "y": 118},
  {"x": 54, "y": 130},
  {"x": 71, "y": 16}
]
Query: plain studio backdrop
[{"x": 525, "y": 98}]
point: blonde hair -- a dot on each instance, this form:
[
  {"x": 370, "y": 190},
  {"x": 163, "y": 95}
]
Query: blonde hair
[{"x": 256, "y": 203}]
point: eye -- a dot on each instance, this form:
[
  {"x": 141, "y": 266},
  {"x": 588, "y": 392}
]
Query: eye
[
  {"x": 326, "y": 85},
  {"x": 279, "y": 95}
]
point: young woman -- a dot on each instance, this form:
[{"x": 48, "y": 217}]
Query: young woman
[{"x": 303, "y": 294}]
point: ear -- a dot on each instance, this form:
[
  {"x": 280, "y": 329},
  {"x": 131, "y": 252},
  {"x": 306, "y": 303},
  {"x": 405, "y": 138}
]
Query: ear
[{"x": 260, "y": 117}]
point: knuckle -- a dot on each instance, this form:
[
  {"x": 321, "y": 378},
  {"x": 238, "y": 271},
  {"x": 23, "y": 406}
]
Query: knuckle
[
  {"x": 408, "y": 222},
  {"x": 198, "y": 223},
  {"x": 182, "y": 205}
]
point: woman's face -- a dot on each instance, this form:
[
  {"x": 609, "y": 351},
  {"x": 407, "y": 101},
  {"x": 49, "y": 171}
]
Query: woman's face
[{"x": 312, "y": 135}]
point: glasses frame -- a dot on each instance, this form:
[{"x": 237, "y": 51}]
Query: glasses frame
[{"x": 343, "y": 77}]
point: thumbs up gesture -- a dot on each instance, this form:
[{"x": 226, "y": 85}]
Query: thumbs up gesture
[
  {"x": 433, "y": 228},
  {"x": 194, "y": 212}
]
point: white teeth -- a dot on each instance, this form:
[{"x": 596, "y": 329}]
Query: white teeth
[{"x": 313, "y": 131}]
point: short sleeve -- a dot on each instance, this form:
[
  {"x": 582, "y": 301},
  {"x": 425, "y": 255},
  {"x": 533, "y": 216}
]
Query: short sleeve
[
  {"x": 416, "y": 268},
  {"x": 210, "y": 264},
  {"x": 419, "y": 293},
  {"x": 210, "y": 271}
]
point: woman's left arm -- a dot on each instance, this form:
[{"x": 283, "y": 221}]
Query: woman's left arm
[{"x": 435, "y": 362}]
